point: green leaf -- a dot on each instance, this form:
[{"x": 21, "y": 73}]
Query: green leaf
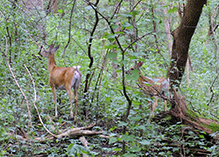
[
  {"x": 60, "y": 11},
  {"x": 113, "y": 128},
  {"x": 128, "y": 138},
  {"x": 117, "y": 149},
  {"x": 136, "y": 118},
  {"x": 133, "y": 76},
  {"x": 112, "y": 140},
  {"x": 174, "y": 9},
  {"x": 76, "y": 149},
  {"x": 111, "y": 55},
  {"x": 126, "y": 15},
  {"x": 134, "y": 13},
  {"x": 201, "y": 136},
  {"x": 122, "y": 124},
  {"x": 110, "y": 46},
  {"x": 88, "y": 7},
  {"x": 114, "y": 26},
  {"x": 126, "y": 24},
  {"x": 145, "y": 142},
  {"x": 112, "y": 37},
  {"x": 135, "y": 149},
  {"x": 129, "y": 155}
]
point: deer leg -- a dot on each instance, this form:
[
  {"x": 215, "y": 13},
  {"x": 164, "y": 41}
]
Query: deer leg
[
  {"x": 54, "y": 97},
  {"x": 68, "y": 89},
  {"x": 76, "y": 96},
  {"x": 165, "y": 105},
  {"x": 154, "y": 107}
]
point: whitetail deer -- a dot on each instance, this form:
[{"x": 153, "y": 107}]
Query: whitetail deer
[
  {"x": 62, "y": 78},
  {"x": 153, "y": 87}
]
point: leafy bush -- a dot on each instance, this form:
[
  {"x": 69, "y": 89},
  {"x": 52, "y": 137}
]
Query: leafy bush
[{"x": 23, "y": 33}]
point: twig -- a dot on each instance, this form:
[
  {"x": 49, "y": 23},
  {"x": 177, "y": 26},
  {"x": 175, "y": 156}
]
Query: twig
[
  {"x": 9, "y": 67},
  {"x": 79, "y": 46},
  {"x": 211, "y": 89},
  {"x": 82, "y": 131},
  {"x": 74, "y": 132},
  {"x": 137, "y": 40},
  {"x": 117, "y": 9},
  {"x": 135, "y": 5},
  {"x": 214, "y": 35},
  {"x": 99, "y": 78},
  {"x": 35, "y": 104},
  {"x": 69, "y": 32},
  {"x": 85, "y": 144},
  {"x": 154, "y": 28},
  {"x": 123, "y": 58},
  {"x": 123, "y": 72},
  {"x": 90, "y": 55}
]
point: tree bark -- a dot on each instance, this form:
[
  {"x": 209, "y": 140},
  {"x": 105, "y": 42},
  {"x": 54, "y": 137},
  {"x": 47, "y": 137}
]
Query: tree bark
[
  {"x": 181, "y": 112},
  {"x": 33, "y": 4},
  {"x": 167, "y": 29},
  {"x": 182, "y": 37},
  {"x": 52, "y": 6}
]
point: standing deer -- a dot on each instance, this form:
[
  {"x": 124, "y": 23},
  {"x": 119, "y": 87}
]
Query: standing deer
[
  {"x": 62, "y": 78},
  {"x": 151, "y": 86}
]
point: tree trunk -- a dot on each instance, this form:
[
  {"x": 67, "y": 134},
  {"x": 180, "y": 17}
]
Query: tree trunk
[
  {"x": 182, "y": 37},
  {"x": 52, "y": 6},
  {"x": 33, "y": 4},
  {"x": 181, "y": 112},
  {"x": 167, "y": 29}
]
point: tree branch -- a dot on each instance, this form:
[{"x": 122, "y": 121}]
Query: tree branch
[
  {"x": 123, "y": 58},
  {"x": 182, "y": 36},
  {"x": 69, "y": 31},
  {"x": 89, "y": 47},
  {"x": 38, "y": 113},
  {"x": 19, "y": 87},
  {"x": 211, "y": 89}
]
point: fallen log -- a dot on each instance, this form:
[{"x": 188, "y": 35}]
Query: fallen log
[{"x": 73, "y": 133}]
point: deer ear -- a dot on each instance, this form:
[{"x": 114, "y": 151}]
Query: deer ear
[
  {"x": 51, "y": 46},
  {"x": 56, "y": 48},
  {"x": 140, "y": 63}
]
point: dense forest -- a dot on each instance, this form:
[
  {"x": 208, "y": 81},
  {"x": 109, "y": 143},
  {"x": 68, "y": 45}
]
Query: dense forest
[{"x": 140, "y": 78}]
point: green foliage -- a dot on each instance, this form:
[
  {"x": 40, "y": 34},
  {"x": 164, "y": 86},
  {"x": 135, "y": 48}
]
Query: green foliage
[
  {"x": 105, "y": 102},
  {"x": 76, "y": 150}
]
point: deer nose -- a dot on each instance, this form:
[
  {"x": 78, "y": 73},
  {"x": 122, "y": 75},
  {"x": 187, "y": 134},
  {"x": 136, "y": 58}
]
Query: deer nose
[{"x": 127, "y": 72}]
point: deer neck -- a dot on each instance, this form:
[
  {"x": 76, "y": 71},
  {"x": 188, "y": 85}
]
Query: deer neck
[{"x": 51, "y": 63}]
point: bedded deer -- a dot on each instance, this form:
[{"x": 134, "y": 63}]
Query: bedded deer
[
  {"x": 153, "y": 87},
  {"x": 62, "y": 78}
]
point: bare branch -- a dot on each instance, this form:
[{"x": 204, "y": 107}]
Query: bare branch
[
  {"x": 136, "y": 5},
  {"x": 19, "y": 87},
  {"x": 155, "y": 30},
  {"x": 117, "y": 9},
  {"x": 75, "y": 132},
  {"x": 69, "y": 31},
  {"x": 211, "y": 89},
  {"x": 123, "y": 58},
  {"x": 85, "y": 144},
  {"x": 35, "y": 104},
  {"x": 89, "y": 47}
]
